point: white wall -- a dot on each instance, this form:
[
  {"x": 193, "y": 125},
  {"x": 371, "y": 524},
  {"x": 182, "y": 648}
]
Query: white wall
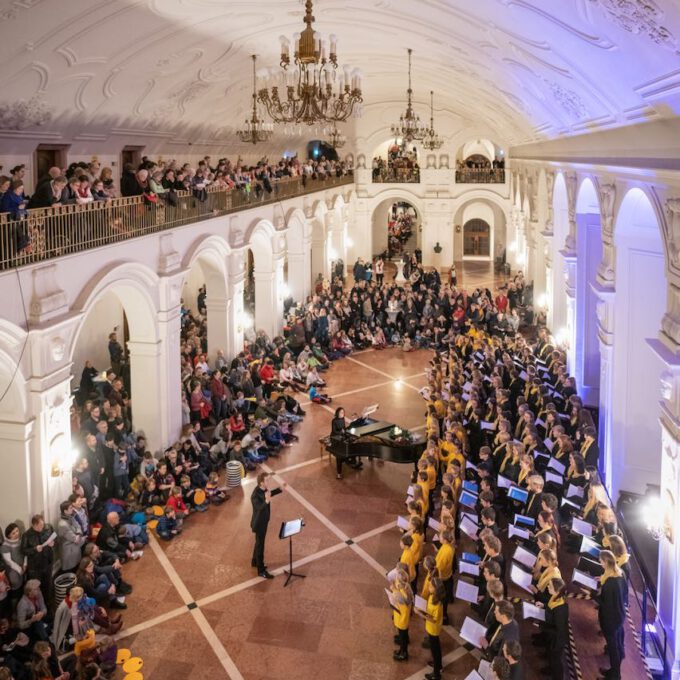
[
  {"x": 93, "y": 339},
  {"x": 194, "y": 280}
]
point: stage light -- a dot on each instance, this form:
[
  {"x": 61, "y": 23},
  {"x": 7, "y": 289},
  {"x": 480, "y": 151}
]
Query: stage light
[
  {"x": 349, "y": 242},
  {"x": 332, "y": 254},
  {"x": 512, "y": 247},
  {"x": 398, "y": 382},
  {"x": 653, "y": 517},
  {"x": 285, "y": 291},
  {"x": 562, "y": 336},
  {"x": 542, "y": 300}
]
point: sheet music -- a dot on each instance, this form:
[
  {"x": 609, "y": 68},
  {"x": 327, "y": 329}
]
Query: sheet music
[
  {"x": 391, "y": 598},
  {"x": 484, "y": 670},
  {"x": 520, "y": 577},
  {"x": 391, "y": 575},
  {"x": 574, "y": 491},
  {"x": 50, "y": 539},
  {"x": 523, "y": 556},
  {"x": 525, "y": 520},
  {"x": 420, "y": 603},
  {"x": 467, "y": 386},
  {"x": 519, "y": 532},
  {"x": 531, "y": 611},
  {"x": 402, "y": 523},
  {"x": 434, "y": 524},
  {"x": 486, "y": 425},
  {"x": 468, "y": 499},
  {"x": 590, "y": 547},
  {"x": 554, "y": 478},
  {"x": 472, "y": 487},
  {"x": 474, "y": 675},
  {"x": 504, "y": 482},
  {"x": 568, "y": 502},
  {"x": 523, "y": 376},
  {"x": 467, "y": 527},
  {"x": 557, "y": 466},
  {"x": 518, "y": 494},
  {"x": 409, "y": 491},
  {"x": 578, "y": 526},
  {"x": 470, "y": 466},
  {"x": 471, "y": 631},
  {"x": 467, "y": 568},
  {"x": 466, "y": 591},
  {"x": 584, "y": 580},
  {"x": 549, "y": 444},
  {"x": 539, "y": 422}
]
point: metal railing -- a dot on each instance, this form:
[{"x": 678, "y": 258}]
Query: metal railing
[
  {"x": 62, "y": 230},
  {"x": 396, "y": 176},
  {"x": 480, "y": 176}
]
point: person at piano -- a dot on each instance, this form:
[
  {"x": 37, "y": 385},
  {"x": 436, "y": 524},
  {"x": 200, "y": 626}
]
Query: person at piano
[{"x": 339, "y": 430}]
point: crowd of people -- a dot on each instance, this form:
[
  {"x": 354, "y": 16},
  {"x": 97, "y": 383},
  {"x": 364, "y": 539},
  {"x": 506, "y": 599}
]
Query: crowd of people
[
  {"x": 401, "y": 165},
  {"x": 507, "y": 494},
  {"x": 158, "y": 182}
]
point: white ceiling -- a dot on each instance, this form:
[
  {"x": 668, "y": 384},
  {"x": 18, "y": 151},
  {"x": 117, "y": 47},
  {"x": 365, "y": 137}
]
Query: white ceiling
[{"x": 524, "y": 69}]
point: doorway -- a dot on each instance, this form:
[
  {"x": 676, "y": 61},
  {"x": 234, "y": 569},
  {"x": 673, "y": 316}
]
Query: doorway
[{"x": 49, "y": 156}]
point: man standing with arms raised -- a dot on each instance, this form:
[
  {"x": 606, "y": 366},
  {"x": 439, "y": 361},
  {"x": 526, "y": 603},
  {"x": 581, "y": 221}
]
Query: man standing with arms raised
[{"x": 260, "y": 498}]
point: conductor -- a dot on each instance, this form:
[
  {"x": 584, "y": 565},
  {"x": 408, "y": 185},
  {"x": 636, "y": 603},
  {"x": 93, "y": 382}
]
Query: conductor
[{"x": 260, "y": 499}]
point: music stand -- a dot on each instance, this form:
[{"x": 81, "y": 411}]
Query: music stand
[{"x": 288, "y": 530}]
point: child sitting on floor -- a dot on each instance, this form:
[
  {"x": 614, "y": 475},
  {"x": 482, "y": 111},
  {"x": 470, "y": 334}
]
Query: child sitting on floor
[
  {"x": 189, "y": 495},
  {"x": 317, "y": 397},
  {"x": 168, "y": 525},
  {"x": 215, "y": 493}
]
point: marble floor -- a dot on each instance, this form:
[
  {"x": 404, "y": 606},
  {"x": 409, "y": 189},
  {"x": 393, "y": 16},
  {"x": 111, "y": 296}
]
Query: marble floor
[{"x": 199, "y": 610}]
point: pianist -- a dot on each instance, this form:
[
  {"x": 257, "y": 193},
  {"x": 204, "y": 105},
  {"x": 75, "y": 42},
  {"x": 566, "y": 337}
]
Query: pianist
[{"x": 339, "y": 431}]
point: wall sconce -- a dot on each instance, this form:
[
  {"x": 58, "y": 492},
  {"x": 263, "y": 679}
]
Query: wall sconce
[
  {"x": 655, "y": 517},
  {"x": 458, "y": 229},
  {"x": 245, "y": 322},
  {"x": 63, "y": 462},
  {"x": 437, "y": 248}
]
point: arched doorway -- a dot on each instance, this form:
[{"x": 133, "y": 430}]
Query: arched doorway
[
  {"x": 476, "y": 239},
  {"x": 396, "y": 228}
]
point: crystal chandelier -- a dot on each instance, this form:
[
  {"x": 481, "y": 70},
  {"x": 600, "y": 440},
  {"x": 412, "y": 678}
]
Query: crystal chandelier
[
  {"x": 255, "y": 130},
  {"x": 336, "y": 139},
  {"x": 311, "y": 92},
  {"x": 432, "y": 141},
  {"x": 409, "y": 127}
]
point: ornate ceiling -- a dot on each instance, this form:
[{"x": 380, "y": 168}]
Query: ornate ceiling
[{"x": 522, "y": 69}]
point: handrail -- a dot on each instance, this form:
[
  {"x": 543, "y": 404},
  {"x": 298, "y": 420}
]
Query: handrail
[
  {"x": 480, "y": 176},
  {"x": 62, "y": 230}
]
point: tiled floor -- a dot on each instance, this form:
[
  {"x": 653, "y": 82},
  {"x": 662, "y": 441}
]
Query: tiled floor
[{"x": 199, "y": 610}]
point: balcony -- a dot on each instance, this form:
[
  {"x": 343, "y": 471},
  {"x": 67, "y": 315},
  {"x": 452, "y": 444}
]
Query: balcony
[
  {"x": 480, "y": 176},
  {"x": 396, "y": 175},
  {"x": 75, "y": 228}
]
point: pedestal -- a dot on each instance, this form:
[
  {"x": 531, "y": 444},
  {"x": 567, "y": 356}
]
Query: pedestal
[{"x": 399, "y": 278}]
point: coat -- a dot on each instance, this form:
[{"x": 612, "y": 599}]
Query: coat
[
  {"x": 38, "y": 562},
  {"x": 612, "y": 612},
  {"x": 261, "y": 510},
  {"x": 14, "y": 560},
  {"x": 71, "y": 541}
]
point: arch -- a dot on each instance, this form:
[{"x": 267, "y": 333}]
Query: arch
[
  {"x": 379, "y": 224},
  {"x": 587, "y": 200},
  {"x": 476, "y": 238},
  {"x": 299, "y": 264},
  {"x": 259, "y": 240},
  {"x": 639, "y": 306},
  {"x": 483, "y": 206},
  {"x": 132, "y": 284}
]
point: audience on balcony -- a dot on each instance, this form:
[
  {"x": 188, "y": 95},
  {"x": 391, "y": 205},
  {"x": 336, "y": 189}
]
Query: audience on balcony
[{"x": 401, "y": 165}]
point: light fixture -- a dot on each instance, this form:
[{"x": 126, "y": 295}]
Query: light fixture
[
  {"x": 311, "y": 92},
  {"x": 255, "y": 130},
  {"x": 63, "y": 462},
  {"x": 336, "y": 139},
  {"x": 653, "y": 517},
  {"x": 409, "y": 128},
  {"x": 432, "y": 141}
]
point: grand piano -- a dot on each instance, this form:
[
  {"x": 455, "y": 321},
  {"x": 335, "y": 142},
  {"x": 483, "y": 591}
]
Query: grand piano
[{"x": 369, "y": 438}]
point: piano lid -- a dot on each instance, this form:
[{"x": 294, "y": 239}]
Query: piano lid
[{"x": 373, "y": 427}]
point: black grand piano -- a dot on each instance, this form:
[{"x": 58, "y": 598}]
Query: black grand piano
[{"x": 369, "y": 438}]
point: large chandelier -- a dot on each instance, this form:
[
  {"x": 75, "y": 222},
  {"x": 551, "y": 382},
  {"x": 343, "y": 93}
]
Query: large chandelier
[
  {"x": 409, "y": 127},
  {"x": 336, "y": 139},
  {"x": 255, "y": 130},
  {"x": 312, "y": 92},
  {"x": 432, "y": 141}
]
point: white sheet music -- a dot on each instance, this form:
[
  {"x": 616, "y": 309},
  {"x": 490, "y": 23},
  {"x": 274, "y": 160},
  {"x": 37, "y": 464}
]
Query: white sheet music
[
  {"x": 420, "y": 603},
  {"x": 523, "y": 376},
  {"x": 519, "y": 532},
  {"x": 504, "y": 482},
  {"x": 520, "y": 577},
  {"x": 484, "y": 670},
  {"x": 391, "y": 599},
  {"x": 474, "y": 675},
  {"x": 466, "y": 591},
  {"x": 549, "y": 444},
  {"x": 553, "y": 477},
  {"x": 470, "y": 466},
  {"x": 539, "y": 422},
  {"x": 434, "y": 524},
  {"x": 557, "y": 466},
  {"x": 391, "y": 575},
  {"x": 409, "y": 491},
  {"x": 467, "y": 568},
  {"x": 531, "y": 611},
  {"x": 469, "y": 528},
  {"x": 574, "y": 491},
  {"x": 402, "y": 523},
  {"x": 578, "y": 526},
  {"x": 471, "y": 631},
  {"x": 486, "y": 425},
  {"x": 525, "y": 557},
  {"x": 584, "y": 580}
]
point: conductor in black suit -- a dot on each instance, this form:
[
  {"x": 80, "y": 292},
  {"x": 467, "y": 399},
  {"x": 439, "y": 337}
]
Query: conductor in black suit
[{"x": 260, "y": 498}]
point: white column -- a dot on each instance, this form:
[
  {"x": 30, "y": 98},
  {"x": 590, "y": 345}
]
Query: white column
[
  {"x": 319, "y": 253},
  {"x": 279, "y": 288},
  {"x": 235, "y": 316},
  {"x": 16, "y": 485},
  {"x": 569, "y": 333},
  {"x": 218, "y": 310},
  {"x": 605, "y": 334},
  {"x": 298, "y": 276},
  {"x": 265, "y": 301},
  {"x": 668, "y": 582}
]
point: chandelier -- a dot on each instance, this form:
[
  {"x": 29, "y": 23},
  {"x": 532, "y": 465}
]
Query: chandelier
[
  {"x": 336, "y": 139},
  {"x": 432, "y": 141},
  {"x": 311, "y": 92},
  {"x": 409, "y": 127},
  {"x": 255, "y": 130}
]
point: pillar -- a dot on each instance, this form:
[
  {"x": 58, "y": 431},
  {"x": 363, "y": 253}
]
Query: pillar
[
  {"x": 668, "y": 581},
  {"x": 319, "y": 252},
  {"x": 235, "y": 315},
  {"x": 605, "y": 336},
  {"x": 606, "y": 270},
  {"x": 265, "y": 301},
  {"x": 18, "y": 502},
  {"x": 568, "y": 334},
  {"x": 218, "y": 309}
]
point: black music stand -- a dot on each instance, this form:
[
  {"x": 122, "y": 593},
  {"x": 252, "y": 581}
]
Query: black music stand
[{"x": 288, "y": 530}]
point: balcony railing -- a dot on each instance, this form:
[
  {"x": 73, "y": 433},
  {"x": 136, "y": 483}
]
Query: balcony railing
[
  {"x": 396, "y": 176},
  {"x": 74, "y": 228},
  {"x": 480, "y": 176}
]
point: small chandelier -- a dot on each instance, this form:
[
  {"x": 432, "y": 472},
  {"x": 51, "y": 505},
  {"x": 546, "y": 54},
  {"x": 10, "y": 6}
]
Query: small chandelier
[
  {"x": 336, "y": 139},
  {"x": 255, "y": 130},
  {"x": 409, "y": 127},
  {"x": 311, "y": 93},
  {"x": 432, "y": 141}
]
